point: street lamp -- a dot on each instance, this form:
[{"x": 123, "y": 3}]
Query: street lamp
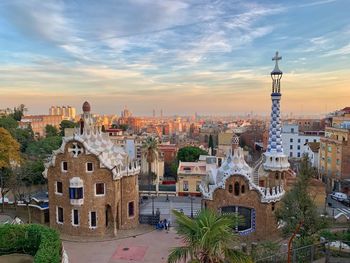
[{"x": 191, "y": 198}]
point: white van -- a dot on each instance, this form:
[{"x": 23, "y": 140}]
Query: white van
[{"x": 339, "y": 196}]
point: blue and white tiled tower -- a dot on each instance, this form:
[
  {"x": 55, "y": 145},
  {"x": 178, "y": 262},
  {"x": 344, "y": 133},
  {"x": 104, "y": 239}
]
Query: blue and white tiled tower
[{"x": 275, "y": 159}]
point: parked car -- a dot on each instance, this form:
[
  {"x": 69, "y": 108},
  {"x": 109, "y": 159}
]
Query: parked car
[
  {"x": 346, "y": 201},
  {"x": 339, "y": 196}
]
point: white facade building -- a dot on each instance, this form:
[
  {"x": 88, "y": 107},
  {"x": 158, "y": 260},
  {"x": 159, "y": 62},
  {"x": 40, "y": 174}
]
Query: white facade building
[{"x": 295, "y": 143}]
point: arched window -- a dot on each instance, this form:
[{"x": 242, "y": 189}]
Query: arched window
[
  {"x": 236, "y": 188},
  {"x": 276, "y": 176},
  {"x": 242, "y": 188},
  {"x": 273, "y": 206},
  {"x": 230, "y": 188}
]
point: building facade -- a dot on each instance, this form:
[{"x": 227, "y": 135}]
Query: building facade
[
  {"x": 334, "y": 159},
  {"x": 38, "y": 123},
  {"x": 295, "y": 142},
  {"x": 252, "y": 192},
  {"x": 191, "y": 174},
  {"x": 92, "y": 184}
]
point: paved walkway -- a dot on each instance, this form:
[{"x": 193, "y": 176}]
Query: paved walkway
[{"x": 152, "y": 247}]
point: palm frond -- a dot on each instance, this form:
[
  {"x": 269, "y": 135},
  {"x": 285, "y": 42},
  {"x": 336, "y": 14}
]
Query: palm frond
[{"x": 179, "y": 253}]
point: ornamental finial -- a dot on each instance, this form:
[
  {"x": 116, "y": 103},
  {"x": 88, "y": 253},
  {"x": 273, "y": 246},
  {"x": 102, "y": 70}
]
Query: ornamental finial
[{"x": 276, "y": 58}]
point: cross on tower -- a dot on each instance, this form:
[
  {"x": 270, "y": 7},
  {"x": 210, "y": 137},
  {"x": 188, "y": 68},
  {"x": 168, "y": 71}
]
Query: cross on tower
[{"x": 276, "y": 58}]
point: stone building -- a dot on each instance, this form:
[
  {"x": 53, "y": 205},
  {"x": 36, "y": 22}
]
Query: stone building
[
  {"x": 252, "y": 192},
  {"x": 92, "y": 183}
]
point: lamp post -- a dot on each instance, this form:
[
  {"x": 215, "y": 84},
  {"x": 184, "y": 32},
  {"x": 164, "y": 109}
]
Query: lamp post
[{"x": 191, "y": 198}]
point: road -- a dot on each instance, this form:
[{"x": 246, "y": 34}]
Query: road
[{"x": 336, "y": 207}]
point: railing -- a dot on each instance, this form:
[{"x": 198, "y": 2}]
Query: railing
[
  {"x": 167, "y": 187},
  {"x": 147, "y": 187},
  {"x": 149, "y": 219},
  {"x": 310, "y": 253}
]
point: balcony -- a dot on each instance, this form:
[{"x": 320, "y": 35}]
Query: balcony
[{"x": 273, "y": 194}]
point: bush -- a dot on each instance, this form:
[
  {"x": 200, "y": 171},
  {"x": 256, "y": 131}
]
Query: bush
[{"x": 39, "y": 241}]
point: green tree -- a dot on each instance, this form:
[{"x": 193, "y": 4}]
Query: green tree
[
  {"x": 190, "y": 154},
  {"x": 8, "y": 123},
  {"x": 211, "y": 143},
  {"x": 208, "y": 238},
  {"x": 18, "y": 112},
  {"x": 51, "y": 131},
  {"x": 66, "y": 124},
  {"x": 149, "y": 151},
  {"x": 43, "y": 148},
  {"x": 298, "y": 207},
  {"x": 9, "y": 157},
  {"x": 23, "y": 136}
]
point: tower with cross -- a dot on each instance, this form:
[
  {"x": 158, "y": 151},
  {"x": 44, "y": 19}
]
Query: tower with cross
[{"x": 274, "y": 158}]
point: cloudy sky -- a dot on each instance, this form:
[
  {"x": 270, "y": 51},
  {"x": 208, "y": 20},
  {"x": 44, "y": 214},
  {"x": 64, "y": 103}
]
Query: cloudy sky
[{"x": 181, "y": 56}]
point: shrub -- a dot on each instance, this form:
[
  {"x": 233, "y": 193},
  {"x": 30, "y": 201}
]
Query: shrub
[{"x": 39, "y": 241}]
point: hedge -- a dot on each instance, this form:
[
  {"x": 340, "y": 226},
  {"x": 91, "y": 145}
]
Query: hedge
[{"x": 41, "y": 242}]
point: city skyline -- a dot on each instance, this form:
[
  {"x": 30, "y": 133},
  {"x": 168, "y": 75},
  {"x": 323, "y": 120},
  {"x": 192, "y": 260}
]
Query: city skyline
[{"x": 210, "y": 57}]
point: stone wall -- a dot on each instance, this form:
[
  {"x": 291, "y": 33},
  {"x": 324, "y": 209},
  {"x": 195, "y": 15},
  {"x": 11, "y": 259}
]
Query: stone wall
[
  {"x": 266, "y": 225},
  {"x": 111, "y": 208}
]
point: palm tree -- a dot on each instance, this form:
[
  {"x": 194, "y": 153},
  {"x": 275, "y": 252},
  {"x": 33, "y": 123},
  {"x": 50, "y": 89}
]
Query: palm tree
[
  {"x": 150, "y": 151},
  {"x": 208, "y": 238}
]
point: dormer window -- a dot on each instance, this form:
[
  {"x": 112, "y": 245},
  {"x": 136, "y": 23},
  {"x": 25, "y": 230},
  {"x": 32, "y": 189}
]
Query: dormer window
[{"x": 89, "y": 167}]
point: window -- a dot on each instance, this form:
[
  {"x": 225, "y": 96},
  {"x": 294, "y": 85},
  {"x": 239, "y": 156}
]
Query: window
[
  {"x": 59, "y": 215},
  {"x": 131, "y": 211},
  {"x": 273, "y": 206},
  {"x": 243, "y": 189},
  {"x": 185, "y": 186},
  {"x": 329, "y": 160},
  {"x": 100, "y": 189},
  {"x": 291, "y": 147},
  {"x": 75, "y": 217},
  {"x": 329, "y": 149},
  {"x": 292, "y": 131},
  {"x": 230, "y": 188},
  {"x": 298, "y": 154},
  {"x": 298, "y": 140},
  {"x": 187, "y": 168},
  {"x": 248, "y": 217},
  {"x": 76, "y": 193},
  {"x": 291, "y": 140},
  {"x": 93, "y": 219},
  {"x": 64, "y": 166},
  {"x": 306, "y": 140},
  {"x": 236, "y": 188},
  {"x": 59, "y": 187},
  {"x": 298, "y": 147},
  {"x": 198, "y": 183},
  {"x": 338, "y": 161},
  {"x": 89, "y": 167},
  {"x": 315, "y": 140},
  {"x": 290, "y": 154}
]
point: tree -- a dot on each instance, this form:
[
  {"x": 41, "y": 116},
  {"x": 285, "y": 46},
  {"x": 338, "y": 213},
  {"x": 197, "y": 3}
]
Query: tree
[
  {"x": 208, "y": 238},
  {"x": 23, "y": 136},
  {"x": 51, "y": 131},
  {"x": 150, "y": 150},
  {"x": 18, "y": 112},
  {"x": 9, "y": 157},
  {"x": 297, "y": 207},
  {"x": 8, "y": 123},
  {"x": 211, "y": 143},
  {"x": 190, "y": 154},
  {"x": 43, "y": 148},
  {"x": 66, "y": 124}
]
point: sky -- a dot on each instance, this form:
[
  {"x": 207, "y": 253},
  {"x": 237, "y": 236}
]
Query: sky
[{"x": 210, "y": 57}]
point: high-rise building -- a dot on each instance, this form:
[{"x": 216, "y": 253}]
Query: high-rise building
[{"x": 67, "y": 112}]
